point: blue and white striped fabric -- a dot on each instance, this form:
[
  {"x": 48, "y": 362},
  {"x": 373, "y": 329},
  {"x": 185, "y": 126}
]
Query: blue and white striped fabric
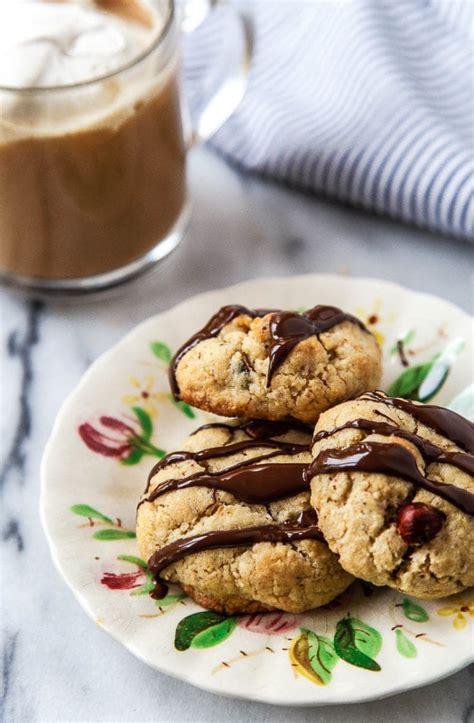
[{"x": 369, "y": 102}]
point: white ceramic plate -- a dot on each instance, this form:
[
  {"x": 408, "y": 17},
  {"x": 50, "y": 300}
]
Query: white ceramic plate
[{"x": 89, "y": 497}]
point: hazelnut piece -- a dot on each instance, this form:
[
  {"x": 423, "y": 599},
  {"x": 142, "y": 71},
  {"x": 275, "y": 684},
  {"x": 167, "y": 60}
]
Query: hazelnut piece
[{"x": 418, "y": 523}]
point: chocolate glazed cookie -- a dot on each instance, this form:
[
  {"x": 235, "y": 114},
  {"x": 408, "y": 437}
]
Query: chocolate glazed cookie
[
  {"x": 393, "y": 484},
  {"x": 228, "y": 518},
  {"x": 276, "y": 364}
]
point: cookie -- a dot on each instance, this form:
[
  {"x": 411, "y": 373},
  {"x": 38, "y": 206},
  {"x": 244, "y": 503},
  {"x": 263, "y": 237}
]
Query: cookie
[
  {"x": 229, "y": 519},
  {"x": 276, "y": 364},
  {"x": 393, "y": 485}
]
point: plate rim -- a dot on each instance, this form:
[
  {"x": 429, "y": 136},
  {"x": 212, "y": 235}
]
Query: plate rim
[{"x": 53, "y": 547}]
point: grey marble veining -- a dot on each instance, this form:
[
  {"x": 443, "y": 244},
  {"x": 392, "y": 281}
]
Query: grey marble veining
[{"x": 56, "y": 664}]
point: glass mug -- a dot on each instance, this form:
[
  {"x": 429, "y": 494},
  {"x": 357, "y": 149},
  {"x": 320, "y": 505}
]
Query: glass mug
[{"x": 93, "y": 173}]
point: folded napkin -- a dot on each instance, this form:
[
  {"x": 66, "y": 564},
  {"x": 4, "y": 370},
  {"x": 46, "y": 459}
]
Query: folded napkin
[{"x": 368, "y": 102}]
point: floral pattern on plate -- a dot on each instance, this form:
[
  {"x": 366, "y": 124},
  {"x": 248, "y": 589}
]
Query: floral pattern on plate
[{"x": 122, "y": 417}]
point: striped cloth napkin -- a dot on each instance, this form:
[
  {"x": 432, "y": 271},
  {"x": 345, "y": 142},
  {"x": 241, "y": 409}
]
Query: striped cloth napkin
[{"x": 369, "y": 102}]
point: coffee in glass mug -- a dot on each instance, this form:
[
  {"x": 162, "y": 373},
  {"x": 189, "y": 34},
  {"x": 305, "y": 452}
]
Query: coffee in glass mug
[{"x": 92, "y": 153}]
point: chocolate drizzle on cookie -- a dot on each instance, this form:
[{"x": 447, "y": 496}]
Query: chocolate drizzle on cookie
[
  {"x": 260, "y": 433},
  {"x": 254, "y": 480},
  {"x": 394, "y": 459},
  {"x": 429, "y": 451},
  {"x": 213, "y": 327},
  {"x": 303, "y": 527},
  {"x": 260, "y": 428},
  {"x": 391, "y": 459},
  {"x": 256, "y": 483},
  {"x": 444, "y": 421},
  {"x": 287, "y": 329}
]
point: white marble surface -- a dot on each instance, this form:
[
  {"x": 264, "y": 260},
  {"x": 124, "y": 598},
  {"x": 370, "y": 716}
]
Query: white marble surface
[{"x": 59, "y": 666}]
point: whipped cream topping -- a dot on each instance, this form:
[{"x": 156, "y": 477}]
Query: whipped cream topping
[{"x": 61, "y": 43}]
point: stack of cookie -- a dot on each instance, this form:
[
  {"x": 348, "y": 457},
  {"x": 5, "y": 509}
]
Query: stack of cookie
[{"x": 258, "y": 513}]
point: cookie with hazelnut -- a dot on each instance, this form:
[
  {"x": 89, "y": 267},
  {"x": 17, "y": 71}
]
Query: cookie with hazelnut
[{"x": 393, "y": 484}]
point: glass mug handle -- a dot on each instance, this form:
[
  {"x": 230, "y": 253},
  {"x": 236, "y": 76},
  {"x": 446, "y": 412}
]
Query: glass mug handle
[{"x": 227, "y": 90}]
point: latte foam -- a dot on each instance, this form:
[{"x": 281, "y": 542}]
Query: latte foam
[{"x": 58, "y": 43}]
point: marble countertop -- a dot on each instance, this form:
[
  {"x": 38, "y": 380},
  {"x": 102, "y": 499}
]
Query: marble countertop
[{"x": 58, "y": 665}]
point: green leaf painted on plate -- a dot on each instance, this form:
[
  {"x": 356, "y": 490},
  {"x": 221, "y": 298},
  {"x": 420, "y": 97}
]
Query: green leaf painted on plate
[
  {"x": 186, "y": 409},
  {"x": 406, "y": 339},
  {"x": 404, "y": 646},
  {"x": 113, "y": 534},
  {"x": 433, "y": 382},
  {"x": 192, "y": 625},
  {"x": 423, "y": 381},
  {"x": 144, "y": 589},
  {"x": 145, "y": 422},
  {"x": 357, "y": 643},
  {"x": 134, "y": 561},
  {"x": 162, "y": 351},
  {"x": 321, "y": 655},
  {"x": 299, "y": 658},
  {"x": 91, "y": 513},
  {"x": 463, "y": 403},
  {"x": 407, "y": 384},
  {"x": 215, "y": 634},
  {"x": 410, "y": 335},
  {"x": 170, "y": 600},
  {"x": 133, "y": 458},
  {"x": 414, "y": 611},
  {"x": 183, "y": 407},
  {"x": 149, "y": 585},
  {"x": 443, "y": 363}
]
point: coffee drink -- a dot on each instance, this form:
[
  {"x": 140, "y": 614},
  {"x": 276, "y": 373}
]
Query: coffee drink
[{"x": 92, "y": 157}]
